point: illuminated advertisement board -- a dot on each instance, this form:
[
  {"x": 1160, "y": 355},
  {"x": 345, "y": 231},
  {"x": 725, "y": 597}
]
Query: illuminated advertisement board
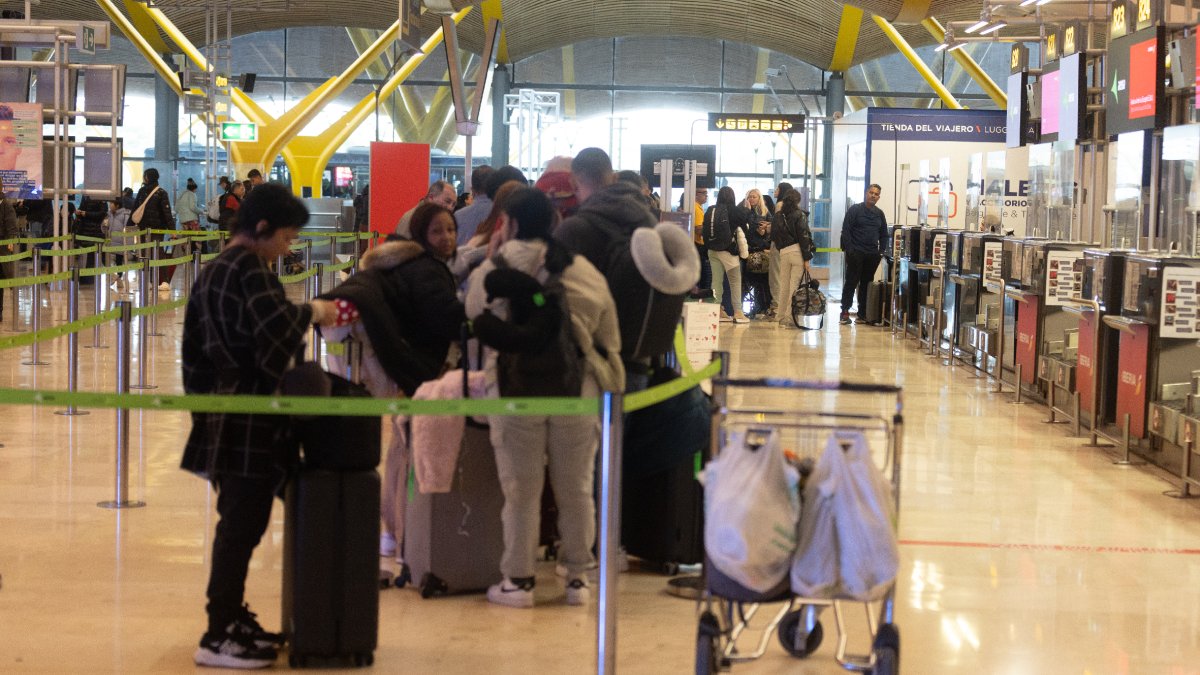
[{"x": 1134, "y": 89}]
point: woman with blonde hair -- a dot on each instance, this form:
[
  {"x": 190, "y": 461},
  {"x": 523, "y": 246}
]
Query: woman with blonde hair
[{"x": 756, "y": 270}]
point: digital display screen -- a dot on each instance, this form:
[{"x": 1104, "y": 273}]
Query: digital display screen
[
  {"x": 1049, "y": 83},
  {"x": 704, "y": 155},
  {"x": 1072, "y": 98},
  {"x": 1133, "y": 84},
  {"x": 1018, "y": 117}
]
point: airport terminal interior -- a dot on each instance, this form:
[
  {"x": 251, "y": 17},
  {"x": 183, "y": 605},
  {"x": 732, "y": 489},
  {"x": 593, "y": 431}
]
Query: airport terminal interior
[{"x": 1028, "y": 348}]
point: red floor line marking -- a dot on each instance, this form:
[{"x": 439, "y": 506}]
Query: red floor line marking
[{"x": 1052, "y": 547}]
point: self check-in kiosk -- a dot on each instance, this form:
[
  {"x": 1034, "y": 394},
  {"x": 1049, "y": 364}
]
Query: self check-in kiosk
[{"x": 980, "y": 288}]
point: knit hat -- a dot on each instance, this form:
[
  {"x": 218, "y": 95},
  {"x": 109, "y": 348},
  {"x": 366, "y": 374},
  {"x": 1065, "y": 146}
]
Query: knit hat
[{"x": 557, "y": 186}]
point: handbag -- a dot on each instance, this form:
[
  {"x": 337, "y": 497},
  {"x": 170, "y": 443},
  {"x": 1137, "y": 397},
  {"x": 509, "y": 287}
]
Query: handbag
[
  {"x": 141, "y": 210},
  {"x": 808, "y": 300},
  {"x": 758, "y": 262}
]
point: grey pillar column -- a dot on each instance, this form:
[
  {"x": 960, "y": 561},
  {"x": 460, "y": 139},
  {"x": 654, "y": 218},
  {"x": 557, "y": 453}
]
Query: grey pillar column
[
  {"x": 166, "y": 122},
  {"x": 501, "y": 85},
  {"x": 835, "y": 106}
]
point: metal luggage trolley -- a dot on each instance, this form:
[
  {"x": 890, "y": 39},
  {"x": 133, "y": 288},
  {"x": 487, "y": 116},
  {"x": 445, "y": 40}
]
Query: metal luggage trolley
[{"x": 728, "y": 608}]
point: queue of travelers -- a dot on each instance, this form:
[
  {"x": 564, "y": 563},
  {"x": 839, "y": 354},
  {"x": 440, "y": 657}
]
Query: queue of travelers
[{"x": 552, "y": 282}]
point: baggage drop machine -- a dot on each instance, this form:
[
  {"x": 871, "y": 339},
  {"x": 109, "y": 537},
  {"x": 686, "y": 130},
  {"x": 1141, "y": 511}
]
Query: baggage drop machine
[
  {"x": 980, "y": 288},
  {"x": 1096, "y": 362},
  {"x": 1016, "y": 349},
  {"x": 1158, "y": 326},
  {"x": 930, "y": 275},
  {"x": 1053, "y": 273},
  {"x": 906, "y": 251}
]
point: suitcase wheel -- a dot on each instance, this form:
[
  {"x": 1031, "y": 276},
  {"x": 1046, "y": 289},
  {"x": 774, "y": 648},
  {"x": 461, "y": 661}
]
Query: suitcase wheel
[
  {"x": 295, "y": 661},
  {"x": 364, "y": 659},
  {"x": 670, "y": 568},
  {"x": 404, "y": 578},
  {"x": 432, "y": 586}
]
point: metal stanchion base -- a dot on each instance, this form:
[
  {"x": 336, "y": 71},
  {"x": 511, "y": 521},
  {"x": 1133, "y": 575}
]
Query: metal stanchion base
[
  {"x": 143, "y": 386},
  {"x": 688, "y": 587},
  {"x": 1128, "y": 462},
  {"x": 71, "y": 411},
  {"x": 95, "y": 346},
  {"x": 120, "y": 505},
  {"x": 1181, "y": 493},
  {"x": 35, "y": 363},
  {"x": 155, "y": 334}
]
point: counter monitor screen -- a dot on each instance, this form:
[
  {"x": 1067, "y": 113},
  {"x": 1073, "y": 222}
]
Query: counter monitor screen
[
  {"x": 1072, "y": 99},
  {"x": 1018, "y": 114},
  {"x": 705, "y": 156},
  {"x": 1049, "y": 83},
  {"x": 1134, "y": 90}
]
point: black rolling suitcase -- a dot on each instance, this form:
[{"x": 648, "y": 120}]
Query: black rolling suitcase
[
  {"x": 453, "y": 540},
  {"x": 331, "y": 567},
  {"x": 877, "y": 294},
  {"x": 662, "y": 517}
]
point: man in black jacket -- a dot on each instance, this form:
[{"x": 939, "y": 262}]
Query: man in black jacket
[{"x": 864, "y": 235}]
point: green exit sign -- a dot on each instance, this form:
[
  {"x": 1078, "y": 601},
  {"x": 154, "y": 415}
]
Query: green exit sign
[{"x": 239, "y": 131}]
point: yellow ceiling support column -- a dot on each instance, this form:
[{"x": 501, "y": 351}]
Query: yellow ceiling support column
[
  {"x": 492, "y": 10},
  {"x": 764, "y": 60},
  {"x": 904, "y": 48},
  {"x": 847, "y": 39},
  {"x": 967, "y": 63},
  {"x": 145, "y": 25},
  {"x": 142, "y": 44},
  {"x": 309, "y": 155},
  {"x": 362, "y": 38}
]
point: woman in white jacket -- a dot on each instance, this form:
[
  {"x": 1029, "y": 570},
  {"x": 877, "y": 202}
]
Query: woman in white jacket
[{"x": 524, "y": 445}]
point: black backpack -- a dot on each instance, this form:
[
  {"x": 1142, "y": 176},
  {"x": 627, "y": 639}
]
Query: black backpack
[
  {"x": 718, "y": 235},
  {"x": 647, "y": 317},
  {"x": 537, "y": 353}
]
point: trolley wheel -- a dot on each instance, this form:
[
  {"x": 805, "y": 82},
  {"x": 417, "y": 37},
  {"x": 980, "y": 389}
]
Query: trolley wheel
[
  {"x": 670, "y": 568},
  {"x": 887, "y": 650},
  {"x": 788, "y": 627},
  {"x": 887, "y": 662},
  {"x": 708, "y": 644},
  {"x": 404, "y": 577},
  {"x": 432, "y": 586}
]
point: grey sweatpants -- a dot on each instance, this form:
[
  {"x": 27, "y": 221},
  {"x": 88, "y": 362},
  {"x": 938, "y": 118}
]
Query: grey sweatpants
[{"x": 523, "y": 447}]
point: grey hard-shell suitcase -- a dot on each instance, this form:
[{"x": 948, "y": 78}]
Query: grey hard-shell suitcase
[
  {"x": 331, "y": 567},
  {"x": 877, "y": 293},
  {"x": 453, "y": 540}
]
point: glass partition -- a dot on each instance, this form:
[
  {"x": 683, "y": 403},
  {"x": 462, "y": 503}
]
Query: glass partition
[
  {"x": 1041, "y": 178},
  {"x": 994, "y": 192},
  {"x": 1126, "y": 165},
  {"x": 973, "y": 205},
  {"x": 1179, "y": 197},
  {"x": 945, "y": 189},
  {"x": 1061, "y": 214}
]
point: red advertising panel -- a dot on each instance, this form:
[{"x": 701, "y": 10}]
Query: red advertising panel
[
  {"x": 399, "y": 179},
  {"x": 1085, "y": 373},
  {"x": 1131, "y": 379},
  {"x": 1143, "y": 71},
  {"x": 1026, "y": 354}
]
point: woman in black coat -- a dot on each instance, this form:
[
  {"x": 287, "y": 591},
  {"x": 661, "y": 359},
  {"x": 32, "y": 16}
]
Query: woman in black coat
[{"x": 155, "y": 207}]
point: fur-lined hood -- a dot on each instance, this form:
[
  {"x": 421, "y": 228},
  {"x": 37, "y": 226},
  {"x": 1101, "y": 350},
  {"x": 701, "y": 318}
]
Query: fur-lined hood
[{"x": 391, "y": 254}]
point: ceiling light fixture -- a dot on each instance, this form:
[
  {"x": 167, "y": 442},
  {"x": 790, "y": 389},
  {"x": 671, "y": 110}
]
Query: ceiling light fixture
[
  {"x": 941, "y": 47},
  {"x": 957, "y": 45},
  {"x": 993, "y": 28},
  {"x": 976, "y": 26},
  {"x": 1026, "y": 3}
]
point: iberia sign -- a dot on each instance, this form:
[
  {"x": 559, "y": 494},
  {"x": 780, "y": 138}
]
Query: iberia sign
[{"x": 751, "y": 122}]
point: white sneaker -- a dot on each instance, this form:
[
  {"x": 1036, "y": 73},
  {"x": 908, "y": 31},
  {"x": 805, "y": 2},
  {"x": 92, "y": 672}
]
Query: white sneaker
[
  {"x": 740, "y": 318},
  {"x": 387, "y": 545},
  {"x": 164, "y": 286},
  {"x": 578, "y": 592},
  {"x": 511, "y": 595}
]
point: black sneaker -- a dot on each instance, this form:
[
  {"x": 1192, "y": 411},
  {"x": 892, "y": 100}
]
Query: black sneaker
[
  {"x": 231, "y": 651},
  {"x": 844, "y": 319},
  {"x": 247, "y": 626}
]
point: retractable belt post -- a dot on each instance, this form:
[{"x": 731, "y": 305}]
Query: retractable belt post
[
  {"x": 611, "y": 433},
  {"x": 73, "y": 342},
  {"x": 121, "y": 500},
  {"x": 143, "y": 321},
  {"x": 316, "y": 290},
  {"x": 35, "y": 312}
]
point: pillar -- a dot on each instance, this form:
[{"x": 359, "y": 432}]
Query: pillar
[{"x": 501, "y": 85}]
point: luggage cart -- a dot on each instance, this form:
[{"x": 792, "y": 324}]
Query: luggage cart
[{"x": 727, "y": 607}]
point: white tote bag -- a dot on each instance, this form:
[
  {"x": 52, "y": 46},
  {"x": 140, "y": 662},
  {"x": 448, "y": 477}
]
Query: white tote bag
[{"x": 751, "y": 507}]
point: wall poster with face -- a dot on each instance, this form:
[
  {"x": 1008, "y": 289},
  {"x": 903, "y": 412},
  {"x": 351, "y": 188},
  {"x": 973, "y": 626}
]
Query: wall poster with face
[{"x": 21, "y": 150}]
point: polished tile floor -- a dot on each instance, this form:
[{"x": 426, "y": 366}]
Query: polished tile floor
[{"x": 1023, "y": 550}]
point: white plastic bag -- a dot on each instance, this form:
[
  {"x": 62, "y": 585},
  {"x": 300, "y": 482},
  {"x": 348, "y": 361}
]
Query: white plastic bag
[
  {"x": 751, "y": 506},
  {"x": 815, "y": 566},
  {"x": 848, "y": 542}
]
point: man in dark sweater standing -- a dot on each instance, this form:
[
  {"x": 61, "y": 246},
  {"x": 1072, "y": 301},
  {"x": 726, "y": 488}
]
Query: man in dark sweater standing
[{"x": 864, "y": 233}]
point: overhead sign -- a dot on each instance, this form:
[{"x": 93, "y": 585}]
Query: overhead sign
[
  {"x": 87, "y": 40},
  {"x": 239, "y": 131},
  {"x": 750, "y": 122}
]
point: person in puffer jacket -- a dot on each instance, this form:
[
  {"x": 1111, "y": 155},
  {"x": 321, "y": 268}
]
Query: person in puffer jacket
[{"x": 524, "y": 444}]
